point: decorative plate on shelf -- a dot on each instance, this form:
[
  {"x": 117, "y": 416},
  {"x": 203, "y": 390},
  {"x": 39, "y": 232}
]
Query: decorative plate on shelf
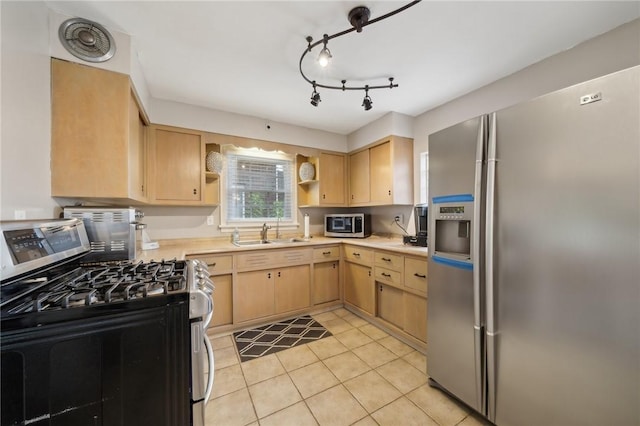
[
  {"x": 215, "y": 162},
  {"x": 307, "y": 171}
]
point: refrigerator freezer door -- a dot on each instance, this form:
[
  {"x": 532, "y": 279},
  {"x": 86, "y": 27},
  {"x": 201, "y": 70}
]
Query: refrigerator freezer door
[
  {"x": 454, "y": 348},
  {"x": 451, "y": 355},
  {"x": 567, "y": 276}
]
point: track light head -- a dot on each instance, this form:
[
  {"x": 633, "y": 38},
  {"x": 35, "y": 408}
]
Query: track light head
[
  {"x": 367, "y": 102},
  {"x": 325, "y": 53},
  {"x": 315, "y": 96},
  {"x": 315, "y": 99},
  {"x": 324, "y": 57}
]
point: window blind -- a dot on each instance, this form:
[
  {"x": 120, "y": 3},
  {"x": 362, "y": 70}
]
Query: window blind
[{"x": 258, "y": 188}]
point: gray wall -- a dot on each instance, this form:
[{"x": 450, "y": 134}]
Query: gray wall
[{"x": 613, "y": 51}]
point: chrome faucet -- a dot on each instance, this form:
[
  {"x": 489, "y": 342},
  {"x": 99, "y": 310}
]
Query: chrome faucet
[{"x": 263, "y": 234}]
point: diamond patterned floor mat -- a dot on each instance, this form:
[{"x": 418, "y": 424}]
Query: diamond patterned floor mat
[{"x": 278, "y": 336}]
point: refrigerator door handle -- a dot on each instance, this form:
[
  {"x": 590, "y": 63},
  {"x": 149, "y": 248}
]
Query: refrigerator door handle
[
  {"x": 477, "y": 260},
  {"x": 489, "y": 277}
]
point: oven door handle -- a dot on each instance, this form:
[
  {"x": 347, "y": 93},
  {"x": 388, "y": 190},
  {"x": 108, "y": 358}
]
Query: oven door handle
[{"x": 209, "y": 388}]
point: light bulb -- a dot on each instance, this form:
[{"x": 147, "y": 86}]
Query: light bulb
[{"x": 324, "y": 56}]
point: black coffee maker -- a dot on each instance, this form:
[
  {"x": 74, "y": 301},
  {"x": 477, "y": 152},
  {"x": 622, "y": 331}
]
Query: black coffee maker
[{"x": 421, "y": 218}]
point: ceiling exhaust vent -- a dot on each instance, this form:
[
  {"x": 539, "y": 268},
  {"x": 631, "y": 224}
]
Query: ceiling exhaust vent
[{"x": 87, "y": 40}]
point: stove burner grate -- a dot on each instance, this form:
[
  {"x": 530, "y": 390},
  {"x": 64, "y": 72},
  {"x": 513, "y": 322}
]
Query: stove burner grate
[{"x": 93, "y": 285}]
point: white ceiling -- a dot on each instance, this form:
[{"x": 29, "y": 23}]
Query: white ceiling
[{"x": 243, "y": 56}]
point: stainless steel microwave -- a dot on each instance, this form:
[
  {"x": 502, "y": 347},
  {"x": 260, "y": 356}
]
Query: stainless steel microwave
[{"x": 347, "y": 225}]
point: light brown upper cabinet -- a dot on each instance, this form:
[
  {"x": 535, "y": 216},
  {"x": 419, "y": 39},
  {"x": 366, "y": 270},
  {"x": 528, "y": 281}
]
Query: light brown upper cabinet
[
  {"x": 359, "y": 186},
  {"x": 382, "y": 174},
  {"x": 98, "y": 135},
  {"x": 177, "y": 166},
  {"x": 328, "y": 187}
]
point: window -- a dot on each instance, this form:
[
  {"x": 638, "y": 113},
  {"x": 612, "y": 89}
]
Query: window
[
  {"x": 258, "y": 187},
  {"x": 424, "y": 177}
]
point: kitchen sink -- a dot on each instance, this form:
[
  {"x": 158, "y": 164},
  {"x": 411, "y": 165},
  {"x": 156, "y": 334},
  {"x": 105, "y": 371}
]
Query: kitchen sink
[
  {"x": 251, "y": 243},
  {"x": 287, "y": 240},
  {"x": 275, "y": 241}
]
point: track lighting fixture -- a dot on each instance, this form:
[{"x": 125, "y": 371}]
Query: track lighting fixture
[
  {"x": 366, "y": 102},
  {"x": 315, "y": 96},
  {"x": 358, "y": 18}
]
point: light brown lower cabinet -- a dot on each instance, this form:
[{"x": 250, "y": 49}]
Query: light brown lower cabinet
[
  {"x": 415, "y": 316},
  {"x": 268, "y": 292},
  {"x": 359, "y": 288},
  {"x": 390, "y": 305},
  {"x": 222, "y": 300},
  {"x": 254, "y": 298},
  {"x": 292, "y": 288},
  {"x": 326, "y": 282}
]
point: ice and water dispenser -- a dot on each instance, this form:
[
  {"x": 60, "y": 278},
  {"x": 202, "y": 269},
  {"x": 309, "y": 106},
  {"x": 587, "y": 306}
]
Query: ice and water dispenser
[{"x": 452, "y": 228}]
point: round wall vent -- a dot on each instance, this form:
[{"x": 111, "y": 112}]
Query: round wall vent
[{"x": 87, "y": 40}]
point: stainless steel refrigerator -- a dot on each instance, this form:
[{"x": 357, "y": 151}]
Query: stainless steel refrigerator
[{"x": 534, "y": 258}]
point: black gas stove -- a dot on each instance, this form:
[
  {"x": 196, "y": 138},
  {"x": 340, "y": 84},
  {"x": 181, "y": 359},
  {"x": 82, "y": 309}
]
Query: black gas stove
[
  {"x": 117, "y": 343},
  {"x": 64, "y": 293}
]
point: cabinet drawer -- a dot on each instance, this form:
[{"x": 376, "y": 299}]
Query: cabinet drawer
[
  {"x": 358, "y": 254},
  {"x": 390, "y": 261},
  {"x": 416, "y": 274},
  {"x": 294, "y": 256},
  {"x": 271, "y": 258},
  {"x": 388, "y": 276},
  {"x": 217, "y": 264},
  {"x": 326, "y": 253},
  {"x": 256, "y": 259}
]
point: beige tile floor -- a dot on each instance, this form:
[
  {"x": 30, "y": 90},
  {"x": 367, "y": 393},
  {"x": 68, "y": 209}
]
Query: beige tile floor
[{"x": 359, "y": 376}]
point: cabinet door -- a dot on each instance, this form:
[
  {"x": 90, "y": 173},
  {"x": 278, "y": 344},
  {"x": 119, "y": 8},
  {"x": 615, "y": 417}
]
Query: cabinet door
[
  {"x": 326, "y": 282},
  {"x": 222, "y": 300},
  {"x": 391, "y": 305},
  {"x": 415, "y": 316},
  {"x": 254, "y": 295},
  {"x": 332, "y": 179},
  {"x": 137, "y": 152},
  {"x": 381, "y": 177},
  {"x": 359, "y": 177},
  {"x": 292, "y": 289},
  {"x": 178, "y": 166},
  {"x": 89, "y": 131},
  {"x": 359, "y": 289}
]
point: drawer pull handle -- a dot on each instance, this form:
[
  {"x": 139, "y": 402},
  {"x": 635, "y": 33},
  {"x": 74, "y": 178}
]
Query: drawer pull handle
[
  {"x": 419, "y": 275},
  {"x": 213, "y": 265},
  {"x": 384, "y": 274},
  {"x": 356, "y": 254},
  {"x": 386, "y": 259},
  {"x": 326, "y": 253}
]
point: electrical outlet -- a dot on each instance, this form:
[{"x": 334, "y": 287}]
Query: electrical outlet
[
  {"x": 210, "y": 220},
  {"x": 19, "y": 214},
  {"x": 399, "y": 218}
]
